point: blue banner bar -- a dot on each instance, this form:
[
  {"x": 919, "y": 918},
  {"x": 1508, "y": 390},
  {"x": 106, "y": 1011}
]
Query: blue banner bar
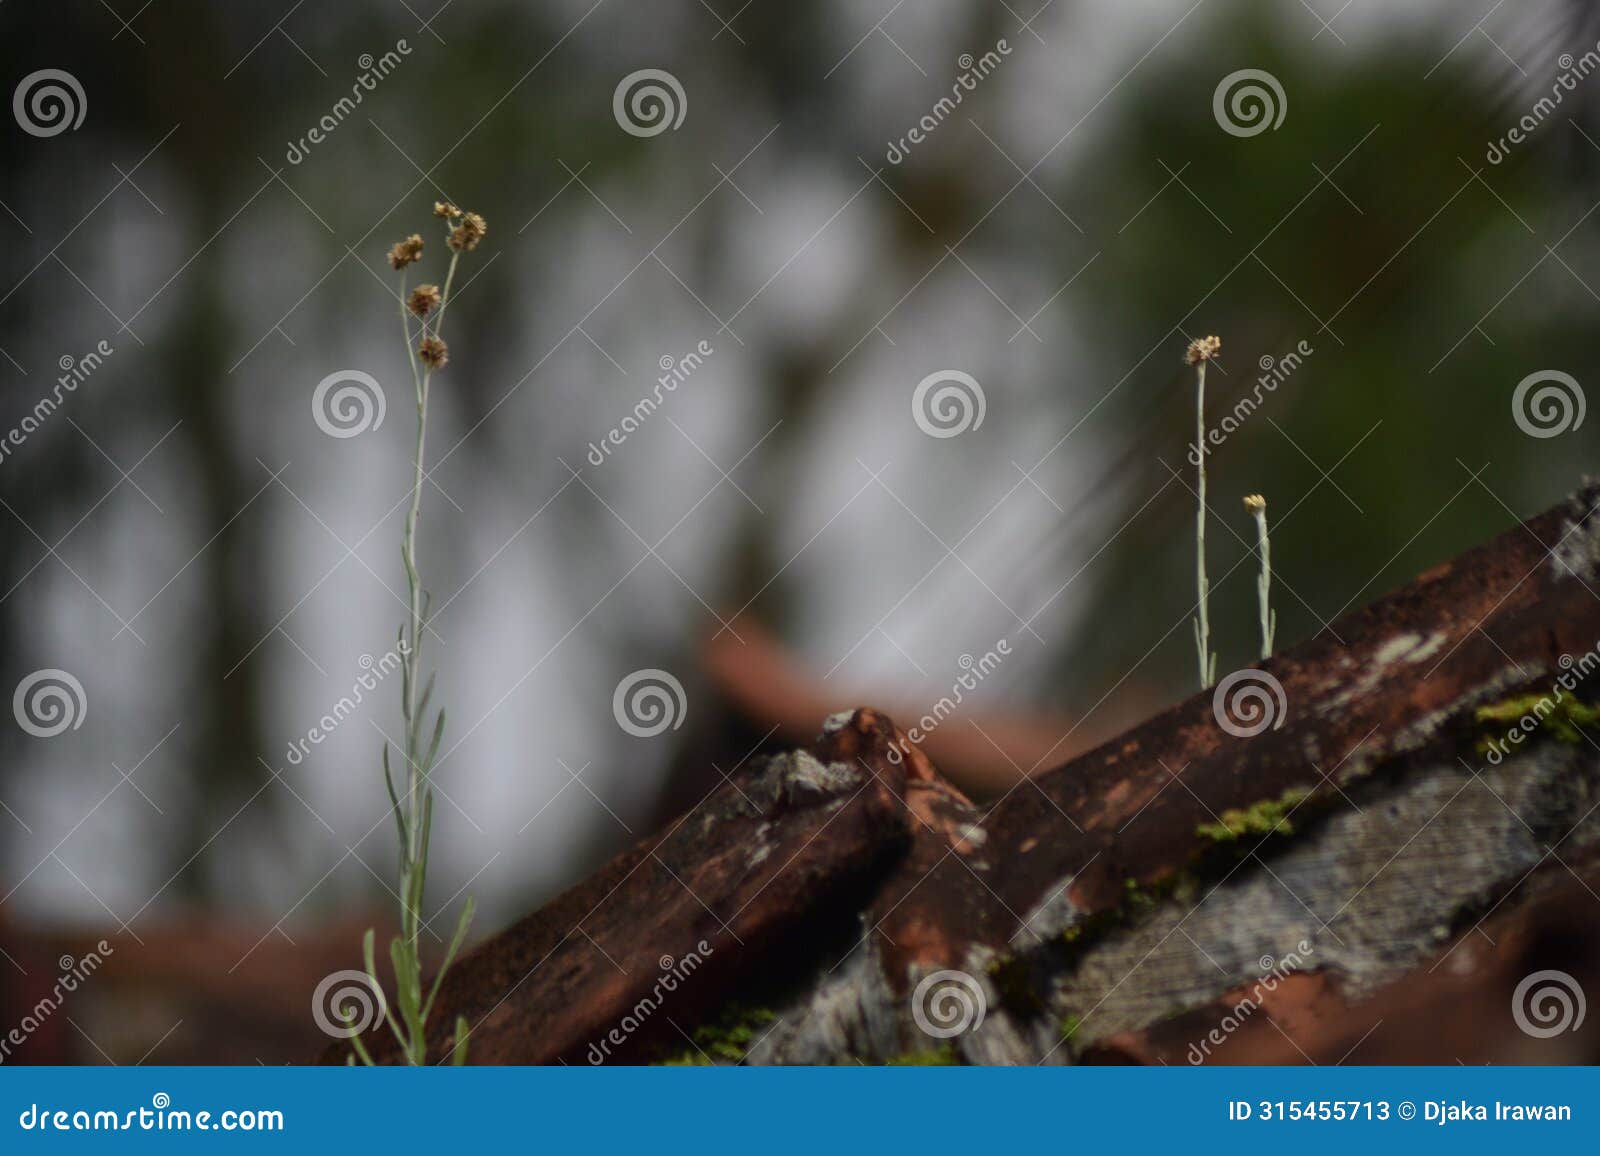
[{"x": 807, "y": 1110}]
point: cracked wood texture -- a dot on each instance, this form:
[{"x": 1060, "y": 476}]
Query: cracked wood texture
[{"x": 1324, "y": 889}]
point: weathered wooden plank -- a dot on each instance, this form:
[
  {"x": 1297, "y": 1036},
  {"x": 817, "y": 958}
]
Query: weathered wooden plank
[{"x": 717, "y": 893}]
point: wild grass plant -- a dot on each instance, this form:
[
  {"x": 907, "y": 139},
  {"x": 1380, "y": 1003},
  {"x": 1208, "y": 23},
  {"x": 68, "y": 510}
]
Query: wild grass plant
[{"x": 422, "y": 314}]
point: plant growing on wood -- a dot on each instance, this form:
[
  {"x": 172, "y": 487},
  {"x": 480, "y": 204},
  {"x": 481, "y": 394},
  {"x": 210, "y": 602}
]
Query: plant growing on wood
[
  {"x": 413, "y": 807},
  {"x": 1200, "y": 351},
  {"x": 1256, "y": 505}
]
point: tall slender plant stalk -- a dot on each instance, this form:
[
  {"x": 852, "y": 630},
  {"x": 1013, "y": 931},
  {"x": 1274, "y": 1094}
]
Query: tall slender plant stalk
[
  {"x": 1257, "y": 507},
  {"x": 413, "y": 809},
  {"x": 1201, "y": 351}
]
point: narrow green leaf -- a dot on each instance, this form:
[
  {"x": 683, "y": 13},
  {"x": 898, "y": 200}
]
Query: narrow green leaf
[
  {"x": 433, "y": 747},
  {"x": 421, "y": 872},
  {"x": 467, "y": 911},
  {"x": 397, "y": 959},
  {"x": 427, "y": 694},
  {"x": 406, "y": 987},
  {"x": 360, "y": 1050},
  {"x": 394, "y": 799},
  {"x": 368, "y": 949}
]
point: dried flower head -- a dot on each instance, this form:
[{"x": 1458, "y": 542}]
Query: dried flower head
[
  {"x": 444, "y": 210},
  {"x": 435, "y": 354},
  {"x": 1255, "y": 503},
  {"x": 405, "y": 252},
  {"x": 1202, "y": 349},
  {"x": 424, "y": 300},
  {"x": 465, "y": 237}
]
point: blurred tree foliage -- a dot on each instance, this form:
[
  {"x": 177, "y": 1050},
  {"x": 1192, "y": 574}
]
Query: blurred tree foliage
[{"x": 1368, "y": 225}]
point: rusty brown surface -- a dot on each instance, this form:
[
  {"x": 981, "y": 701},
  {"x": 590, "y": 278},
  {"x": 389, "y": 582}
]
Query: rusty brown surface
[
  {"x": 727, "y": 885},
  {"x": 1359, "y": 695},
  {"x": 937, "y": 880}
]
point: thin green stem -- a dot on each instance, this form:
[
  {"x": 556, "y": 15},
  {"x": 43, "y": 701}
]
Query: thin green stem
[
  {"x": 1202, "y": 632},
  {"x": 416, "y": 772},
  {"x": 444, "y": 298},
  {"x": 1264, "y": 585}
]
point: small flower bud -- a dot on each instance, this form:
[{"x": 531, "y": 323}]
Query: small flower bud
[
  {"x": 1255, "y": 504},
  {"x": 435, "y": 353},
  {"x": 465, "y": 237},
  {"x": 444, "y": 210},
  {"x": 424, "y": 300},
  {"x": 1203, "y": 349},
  {"x": 405, "y": 252}
]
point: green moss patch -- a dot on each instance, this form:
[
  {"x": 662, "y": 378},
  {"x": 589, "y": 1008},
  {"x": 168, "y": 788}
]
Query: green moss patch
[
  {"x": 1267, "y": 817},
  {"x": 725, "y": 1040},
  {"x": 1559, "y": 715}
]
